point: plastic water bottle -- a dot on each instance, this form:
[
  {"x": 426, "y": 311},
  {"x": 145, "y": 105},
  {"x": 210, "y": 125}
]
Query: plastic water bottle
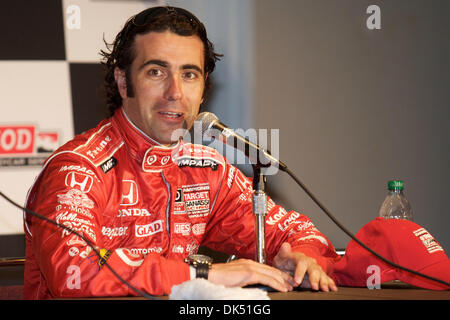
[{"x": 395, "y": 205}]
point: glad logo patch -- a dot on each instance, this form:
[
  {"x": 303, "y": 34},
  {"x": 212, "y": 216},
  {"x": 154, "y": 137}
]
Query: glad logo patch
[{"x": 149, "y": 229}]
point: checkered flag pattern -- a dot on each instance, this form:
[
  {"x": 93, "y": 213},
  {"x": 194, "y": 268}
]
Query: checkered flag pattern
[{"x": 50, "y": 83}]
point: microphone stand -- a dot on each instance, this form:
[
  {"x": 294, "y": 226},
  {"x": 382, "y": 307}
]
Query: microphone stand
[{"x": 260, "y": 210}]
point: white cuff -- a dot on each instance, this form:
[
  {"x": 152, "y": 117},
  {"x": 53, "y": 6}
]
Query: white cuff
[{"x": 193, "y": 272}]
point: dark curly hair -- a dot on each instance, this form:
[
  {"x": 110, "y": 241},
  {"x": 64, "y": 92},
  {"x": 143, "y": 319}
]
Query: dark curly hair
[{"x": 156, "y": 19}]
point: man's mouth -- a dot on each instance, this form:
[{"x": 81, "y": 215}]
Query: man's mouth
[{"x": 170, "y": 114}]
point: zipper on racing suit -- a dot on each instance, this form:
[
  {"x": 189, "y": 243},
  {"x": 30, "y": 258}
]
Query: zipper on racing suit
[{"x": 168, "y": 203}]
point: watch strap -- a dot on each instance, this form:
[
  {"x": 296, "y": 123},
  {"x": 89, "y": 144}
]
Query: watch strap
[{"x": 202, "y": 271}]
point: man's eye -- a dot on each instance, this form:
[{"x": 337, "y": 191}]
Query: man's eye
[
  {"x": 190, "y": 75},
  {"x": 155, "y": 72}
]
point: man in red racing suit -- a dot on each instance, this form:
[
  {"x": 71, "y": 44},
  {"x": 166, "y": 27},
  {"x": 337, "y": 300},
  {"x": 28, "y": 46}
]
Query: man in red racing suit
[{"x": 147, "y": 205}]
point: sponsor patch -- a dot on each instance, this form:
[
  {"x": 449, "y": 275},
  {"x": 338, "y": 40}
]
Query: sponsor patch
[
  {"x": 114, "y": 232},
  {"x": 77, "y": 198},
  {"x": 178, "y": 207},
  {"x": 427, "y": 240},
  {"x": 133, "y": 212},
  {"x": 193, "y": 200},
  {"x": 275, "y": 218},
  {"x": 244, "y": 184},
  {"x": 186, "y": 161},
  {"x": 81, "y": 181},
  {"x": 149, "y": 229},
  {"x": 183, "y": 228},
  {"x": 130, "y": 194},
  {"x": 83, "y": 211},
  {"x": 156, "y": 158},
  {"x": 145, "y": 251},
  {"x": 108, "y": 164},
  {"x": 178, "y": 248},
  {"x": 288, "y": 221},
  {"x": 130, "y": 258},
  {"x": 104, "y": 254},
  {"x": 196, "y": 200},
  {"x": 73, "y": 218},
  {"x": 101, "y": 145},
  {"x": 231, "y": 177},
  {"x": 199, "y": 228},
  {"x": 77, "y": 168}
]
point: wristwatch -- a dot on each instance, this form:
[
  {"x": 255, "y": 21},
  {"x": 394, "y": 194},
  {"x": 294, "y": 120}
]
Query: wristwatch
[{"x": 201, "y": 263}]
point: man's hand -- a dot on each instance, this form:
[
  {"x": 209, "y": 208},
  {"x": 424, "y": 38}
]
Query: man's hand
[
  {"x": 299, "y": 265},
  {"x": 244, "y": 272}
]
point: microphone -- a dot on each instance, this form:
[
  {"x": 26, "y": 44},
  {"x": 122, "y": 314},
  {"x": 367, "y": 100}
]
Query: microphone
[{"x": 211, "y": 126}]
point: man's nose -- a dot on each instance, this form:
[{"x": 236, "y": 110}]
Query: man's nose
[{"x": 174, "y": 89}]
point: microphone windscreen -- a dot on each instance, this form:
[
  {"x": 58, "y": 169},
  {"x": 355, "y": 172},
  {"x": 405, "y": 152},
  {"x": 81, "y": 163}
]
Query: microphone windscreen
[{"x": 206, "y": 118}]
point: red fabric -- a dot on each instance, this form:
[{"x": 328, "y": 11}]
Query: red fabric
[
  {"x": 401, "y": 241},
  {"x": 148, "y": 207}
]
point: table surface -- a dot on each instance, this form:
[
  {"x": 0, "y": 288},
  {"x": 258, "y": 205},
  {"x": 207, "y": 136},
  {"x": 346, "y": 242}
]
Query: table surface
[
  {"x": 390, "y": 291},
  {"x": 347, "y": 293}
]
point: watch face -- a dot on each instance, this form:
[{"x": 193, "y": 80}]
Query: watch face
[{"x": 200, "y": 258}]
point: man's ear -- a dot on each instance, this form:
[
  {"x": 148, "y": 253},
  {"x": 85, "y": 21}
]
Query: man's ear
[{"x": 121, "y": 81}]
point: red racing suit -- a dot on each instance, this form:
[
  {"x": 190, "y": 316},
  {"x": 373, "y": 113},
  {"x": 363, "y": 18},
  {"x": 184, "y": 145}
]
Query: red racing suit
[{"x": 145, "y": 207}]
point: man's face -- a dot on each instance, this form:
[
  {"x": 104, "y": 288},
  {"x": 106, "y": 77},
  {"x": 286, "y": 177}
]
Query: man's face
[{"x": 168, "y": 79}]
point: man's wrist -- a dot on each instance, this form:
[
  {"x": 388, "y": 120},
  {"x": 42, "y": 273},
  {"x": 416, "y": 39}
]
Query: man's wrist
[
  {"x": 194, "y": 274},
  {"x": 199, "y": 265},
  {"x": 202, "y": 271}
]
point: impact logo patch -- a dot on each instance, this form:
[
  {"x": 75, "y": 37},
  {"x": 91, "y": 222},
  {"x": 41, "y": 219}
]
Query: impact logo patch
[{"x": 197, "y": 162}]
